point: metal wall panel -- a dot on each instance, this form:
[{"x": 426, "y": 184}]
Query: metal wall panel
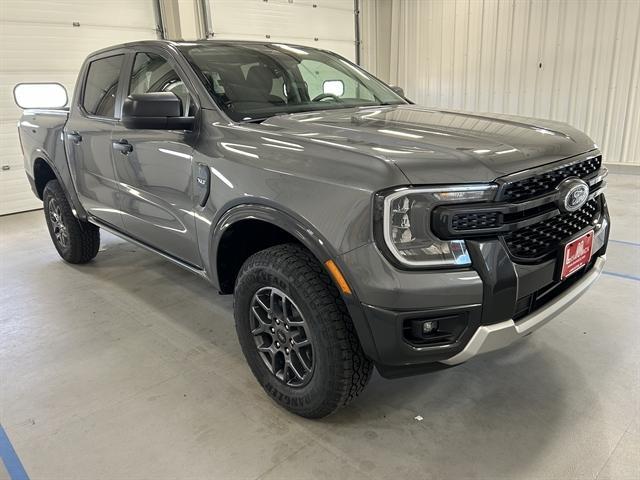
[
  {"x": 328, "y": 24},
  {"x": 576, "y": 61},
  {"x": 38, "y": 43}
]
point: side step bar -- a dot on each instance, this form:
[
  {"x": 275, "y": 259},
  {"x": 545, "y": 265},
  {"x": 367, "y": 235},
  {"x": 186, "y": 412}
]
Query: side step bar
[{"x": 187, "y": 266}]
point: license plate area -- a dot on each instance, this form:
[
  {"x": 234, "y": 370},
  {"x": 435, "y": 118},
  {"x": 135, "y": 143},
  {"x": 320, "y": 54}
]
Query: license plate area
[{"x": 575, "y": 254}]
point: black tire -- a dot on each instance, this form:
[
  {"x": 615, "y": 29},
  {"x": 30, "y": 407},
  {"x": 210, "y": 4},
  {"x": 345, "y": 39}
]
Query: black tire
[
  {"x": 339, "y": 369},
  {"x": 75, "y": 240}
]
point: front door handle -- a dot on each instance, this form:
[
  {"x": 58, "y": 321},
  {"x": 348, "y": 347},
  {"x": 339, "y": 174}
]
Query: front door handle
[
  {"x": 75, "y": 137},
  {"x": 123, "y": 146}
]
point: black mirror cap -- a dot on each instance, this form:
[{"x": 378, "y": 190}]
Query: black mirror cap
[
  {"x": 398, "y": 90},
  {"x": 158, "y": 110},
  {"x": 158, "y": 123}
]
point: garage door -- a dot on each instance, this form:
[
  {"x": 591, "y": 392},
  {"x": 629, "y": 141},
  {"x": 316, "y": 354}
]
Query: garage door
[
  {"x": 43, "y": 41},
  {"x": 328, "y": 24}
]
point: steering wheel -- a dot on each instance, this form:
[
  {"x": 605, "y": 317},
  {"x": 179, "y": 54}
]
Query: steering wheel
[{"x": 322, "y": 96}]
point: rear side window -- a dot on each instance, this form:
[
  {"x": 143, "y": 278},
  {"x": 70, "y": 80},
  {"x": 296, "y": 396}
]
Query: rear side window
[{"x": 102, "y": 86}]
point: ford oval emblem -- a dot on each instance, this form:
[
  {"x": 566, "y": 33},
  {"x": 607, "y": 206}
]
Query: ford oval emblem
[{"x": 574, "y": 193}]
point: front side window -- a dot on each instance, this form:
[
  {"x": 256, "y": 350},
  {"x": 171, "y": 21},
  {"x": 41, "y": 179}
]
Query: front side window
[
  {"x": 251, "y": 82},
  {"x": 152, "y": 73},
  {"x": 101, "y": 86}
]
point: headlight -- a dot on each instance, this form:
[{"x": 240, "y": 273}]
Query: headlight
[{"x": 402, "y": 224}]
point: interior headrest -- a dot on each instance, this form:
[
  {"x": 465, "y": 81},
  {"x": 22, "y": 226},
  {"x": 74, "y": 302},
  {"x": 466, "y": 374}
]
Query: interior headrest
[{"x": 261, "y": 78}]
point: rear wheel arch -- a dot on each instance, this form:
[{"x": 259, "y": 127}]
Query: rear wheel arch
[
  {"x": 43, "y": 173},
  {"x": 45, "y": 170}
]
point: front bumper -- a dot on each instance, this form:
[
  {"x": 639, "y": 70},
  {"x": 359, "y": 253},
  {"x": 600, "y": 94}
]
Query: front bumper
[
  {"x": 493, "y": 337},
  {"x": 488, "y": 297}
]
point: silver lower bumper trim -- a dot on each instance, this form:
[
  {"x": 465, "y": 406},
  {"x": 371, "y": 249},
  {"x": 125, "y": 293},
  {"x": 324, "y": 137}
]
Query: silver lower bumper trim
[{"x": 493, "y": 337}]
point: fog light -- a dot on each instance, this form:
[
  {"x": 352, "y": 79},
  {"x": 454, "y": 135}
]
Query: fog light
[
  {"x": 434, "y": 330},
  {"x": 429, "y": 327}
]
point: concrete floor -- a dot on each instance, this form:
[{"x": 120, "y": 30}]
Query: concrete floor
[{"x": 104, "y": 375}]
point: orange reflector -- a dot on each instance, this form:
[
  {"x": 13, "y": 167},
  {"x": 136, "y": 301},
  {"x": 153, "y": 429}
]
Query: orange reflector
[{"x": 337, "y": 276}]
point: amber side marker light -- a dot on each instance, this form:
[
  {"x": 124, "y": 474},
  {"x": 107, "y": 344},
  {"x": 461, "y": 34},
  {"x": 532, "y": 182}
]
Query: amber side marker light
[{"x": 337, "y": 276}]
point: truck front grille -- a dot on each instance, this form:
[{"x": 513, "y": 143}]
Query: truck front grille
[
  {"x": 527, "y": 215},
  {"x": 546, "y": 182},
  {"x": 541, "y": 239}
]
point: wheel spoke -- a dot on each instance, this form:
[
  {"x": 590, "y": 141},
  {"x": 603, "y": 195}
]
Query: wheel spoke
[
  {"x": 269, "y": 350},
  {"x": 296, "y": 321},
  {"x": 287, "y": 310},
  {"x": 294, "y": 370},
  {"x": 301, "y": 344},
  {"x": 271, "y": 357},
  {"x": 272, "y": 302},
  {"x": 280, "y": 374},
  {"x": 263, "y": 327},
  {"x": 302, "y": 360},
  {"x": 262, "y": 304}
]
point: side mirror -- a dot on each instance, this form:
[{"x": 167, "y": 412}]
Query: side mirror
[
  {"x": 398, "y": 90},
  {"x": 333, "y": 87},
  {"x": 40, "y": 95},
  {"x": 157, "y": 111}
]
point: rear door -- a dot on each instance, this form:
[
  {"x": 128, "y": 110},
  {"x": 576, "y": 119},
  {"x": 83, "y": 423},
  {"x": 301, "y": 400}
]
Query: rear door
[
  {"x": 88, "y": 136},
  {"x": 156, "y": 176}
]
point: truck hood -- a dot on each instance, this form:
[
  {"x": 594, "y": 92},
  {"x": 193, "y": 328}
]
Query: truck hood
[{"x": 437, "y": 146}]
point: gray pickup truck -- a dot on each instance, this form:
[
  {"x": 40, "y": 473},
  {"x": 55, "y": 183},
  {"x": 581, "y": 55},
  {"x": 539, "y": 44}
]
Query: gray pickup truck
[{"x": 353, "y": 227}]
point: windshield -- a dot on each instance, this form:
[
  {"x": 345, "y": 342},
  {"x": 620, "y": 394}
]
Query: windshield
[{"x": 251, "y": 82}]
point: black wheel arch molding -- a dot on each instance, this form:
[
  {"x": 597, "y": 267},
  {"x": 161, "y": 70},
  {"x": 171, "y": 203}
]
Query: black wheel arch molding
[
  {"x": 252, "y": 208},
  {"x": 63, "y": 180}
]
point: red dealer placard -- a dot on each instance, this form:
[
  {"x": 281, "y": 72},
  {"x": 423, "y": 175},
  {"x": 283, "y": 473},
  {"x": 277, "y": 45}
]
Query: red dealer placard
[{"x": 577, "y": 254}]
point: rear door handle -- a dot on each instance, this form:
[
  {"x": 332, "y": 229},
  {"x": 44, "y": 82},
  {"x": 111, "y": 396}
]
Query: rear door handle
[
  {"x": 123, "y": 146},
  {"x": 75, "y": 137}
]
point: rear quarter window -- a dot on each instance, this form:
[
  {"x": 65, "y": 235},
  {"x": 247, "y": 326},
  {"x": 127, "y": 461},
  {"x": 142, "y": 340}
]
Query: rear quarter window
[{"x": 101, "y": 86}]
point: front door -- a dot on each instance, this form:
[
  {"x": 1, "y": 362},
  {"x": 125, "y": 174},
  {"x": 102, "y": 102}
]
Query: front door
[
  {"x": 155, "y": 168},
  {"x": 88, "y": 139}
]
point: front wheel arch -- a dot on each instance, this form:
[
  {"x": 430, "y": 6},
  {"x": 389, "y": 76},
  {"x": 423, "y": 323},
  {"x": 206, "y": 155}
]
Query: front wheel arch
[{"x": 280, "y": 227}]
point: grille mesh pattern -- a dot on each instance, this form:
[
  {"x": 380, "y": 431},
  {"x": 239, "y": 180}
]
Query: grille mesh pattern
[
  {"x": 546, "y": 182},
  {"x": 544, "y": 237},
  {"x": 475, "y": 221}
]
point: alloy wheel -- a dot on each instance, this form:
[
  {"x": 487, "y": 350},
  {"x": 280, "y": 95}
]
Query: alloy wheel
[
  {"x": 57, "y": 223},
  {"x": 281, "y": 336}
]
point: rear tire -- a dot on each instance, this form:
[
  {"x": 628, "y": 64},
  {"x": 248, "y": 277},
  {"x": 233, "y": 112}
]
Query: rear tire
[
  {"x": 76, "y": 241},
  {"x": 296, "y": 333}
]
